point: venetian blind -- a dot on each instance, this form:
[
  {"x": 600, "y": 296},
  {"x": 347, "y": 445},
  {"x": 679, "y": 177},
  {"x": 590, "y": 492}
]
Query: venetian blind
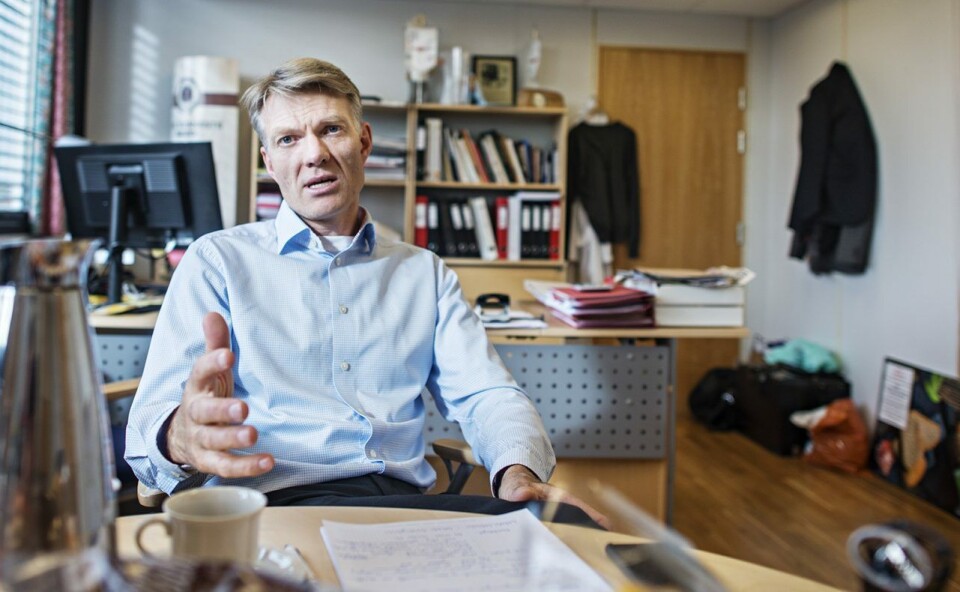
[{"x": 20, "y": 142}]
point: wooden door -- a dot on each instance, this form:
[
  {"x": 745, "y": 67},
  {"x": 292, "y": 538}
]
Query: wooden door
[{"x": 686, "y": 111}]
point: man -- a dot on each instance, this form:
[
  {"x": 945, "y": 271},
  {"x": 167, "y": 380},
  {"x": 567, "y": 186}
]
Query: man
[{"x": 319, "y": 336}]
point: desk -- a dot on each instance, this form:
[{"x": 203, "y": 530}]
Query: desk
[
  {"x": 300, "y": 526},
  {"x": 610, "y": 412}
]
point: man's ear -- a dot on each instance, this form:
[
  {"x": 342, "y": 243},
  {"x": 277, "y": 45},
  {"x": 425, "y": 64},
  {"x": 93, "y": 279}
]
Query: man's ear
[
  {"x": 366, "y": 140},
  {"x": 266, "y": 160}
]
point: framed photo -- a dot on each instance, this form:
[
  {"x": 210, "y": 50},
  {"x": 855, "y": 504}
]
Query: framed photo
[{"x": 496, "y": 79}]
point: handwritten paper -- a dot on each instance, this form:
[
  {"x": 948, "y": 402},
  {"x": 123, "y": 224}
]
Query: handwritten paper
[
  {"x": 510, "y": 552},
  {"x": 895, "y": 395}
]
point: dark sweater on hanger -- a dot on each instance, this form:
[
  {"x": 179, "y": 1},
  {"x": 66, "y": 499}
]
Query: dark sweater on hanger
[
  {"x": 836, "y": 194},
  {"x": 602, "y": 175}
]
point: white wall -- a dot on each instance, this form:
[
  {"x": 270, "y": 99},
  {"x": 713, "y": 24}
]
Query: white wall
[
  {"x": 903, "y": 56},
  {"x": 135, "y": 42}
]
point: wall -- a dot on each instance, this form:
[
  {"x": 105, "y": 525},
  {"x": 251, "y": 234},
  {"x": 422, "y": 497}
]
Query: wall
[{"x": 903, "y": 56}]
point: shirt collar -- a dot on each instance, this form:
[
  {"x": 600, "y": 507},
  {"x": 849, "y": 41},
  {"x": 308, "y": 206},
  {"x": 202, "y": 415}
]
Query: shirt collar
[{"x": 292, "y": 231}]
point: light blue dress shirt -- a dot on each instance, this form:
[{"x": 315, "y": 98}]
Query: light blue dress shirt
[{"x": 332, "y": 353}]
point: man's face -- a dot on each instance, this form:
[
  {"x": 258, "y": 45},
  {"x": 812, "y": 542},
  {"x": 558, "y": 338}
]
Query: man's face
[{"x": 315, "y": 154}]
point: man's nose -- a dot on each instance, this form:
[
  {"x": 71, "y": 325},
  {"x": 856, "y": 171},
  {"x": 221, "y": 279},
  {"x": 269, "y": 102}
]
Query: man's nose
[{"x": 317, "y": 151}]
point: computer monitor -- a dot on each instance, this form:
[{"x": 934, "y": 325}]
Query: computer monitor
[{"x": 139, "y": 196}]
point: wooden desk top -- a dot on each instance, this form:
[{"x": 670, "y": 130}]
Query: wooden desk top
[
  {"x": 300, "y": 526},
  {"x": 555, "y": 328}
]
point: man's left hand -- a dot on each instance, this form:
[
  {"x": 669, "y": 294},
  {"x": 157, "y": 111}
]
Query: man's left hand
[{"x": 519, "y": 484}]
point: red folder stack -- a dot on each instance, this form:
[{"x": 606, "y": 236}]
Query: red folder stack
[{"x": 616, "y": 307}]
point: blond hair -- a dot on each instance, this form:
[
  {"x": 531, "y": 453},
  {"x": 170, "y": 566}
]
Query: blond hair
[{"x": 301, "y": 76}]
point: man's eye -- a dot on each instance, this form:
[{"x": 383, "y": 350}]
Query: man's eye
[
  {"x": 334, "y": 129},
  {"x": 285, "y": 140}
]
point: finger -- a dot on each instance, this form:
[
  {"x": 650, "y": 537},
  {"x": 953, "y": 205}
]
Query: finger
[
  {"x": 222, "y": 438},
  {"x": 551, "y": 494},
  {"x": 209, "y": 373},
  {"x": 225, "y": 464},
  {"x": 215, "y": 332},
  {"x": 216, "y": 410}
]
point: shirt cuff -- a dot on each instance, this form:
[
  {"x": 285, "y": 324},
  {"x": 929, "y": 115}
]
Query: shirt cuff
[
  {"x": 540, "y": 467},
  {"x": 168, "y": 473}
]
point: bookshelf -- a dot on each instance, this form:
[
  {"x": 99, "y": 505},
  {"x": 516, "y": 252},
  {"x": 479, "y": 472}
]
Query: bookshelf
[{"x": 391, "y": 195}]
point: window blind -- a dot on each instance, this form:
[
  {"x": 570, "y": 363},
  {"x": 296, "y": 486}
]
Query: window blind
[{"x": 21, "y": 143}]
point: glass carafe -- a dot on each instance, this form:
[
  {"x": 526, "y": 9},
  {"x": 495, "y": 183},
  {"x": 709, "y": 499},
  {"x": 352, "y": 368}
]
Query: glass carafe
[{"x": 57, "y": 502}]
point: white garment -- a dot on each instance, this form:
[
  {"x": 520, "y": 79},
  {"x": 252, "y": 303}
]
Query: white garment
[{"x": 596, "y": 258}]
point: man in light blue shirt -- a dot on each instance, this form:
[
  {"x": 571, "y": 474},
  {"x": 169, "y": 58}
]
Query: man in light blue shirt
[{"x": 319, "y": 336}]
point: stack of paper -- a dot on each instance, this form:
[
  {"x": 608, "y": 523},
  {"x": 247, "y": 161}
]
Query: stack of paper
[
  {"x": 711, "y": 298},
  {"x": 617, "y": 306},
  {"x": 508, "y": 553}
]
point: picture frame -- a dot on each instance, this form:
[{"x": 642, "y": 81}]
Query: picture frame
[{"x": 496, "y": 79}]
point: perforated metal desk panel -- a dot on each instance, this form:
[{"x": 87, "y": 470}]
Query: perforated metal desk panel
[{"x": 596, "y": 401}]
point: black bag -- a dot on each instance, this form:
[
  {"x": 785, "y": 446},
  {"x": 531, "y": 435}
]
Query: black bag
[
  {"x": 713, "y": 401},
  {"x": 767, "y": 395}
]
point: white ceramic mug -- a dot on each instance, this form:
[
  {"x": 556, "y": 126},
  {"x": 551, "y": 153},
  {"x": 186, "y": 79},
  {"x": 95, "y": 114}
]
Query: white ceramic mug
[{"x": 221, "y": 523}]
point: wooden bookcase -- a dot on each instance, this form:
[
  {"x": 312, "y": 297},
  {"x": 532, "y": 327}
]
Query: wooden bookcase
[{"x": 392, "y": 201}]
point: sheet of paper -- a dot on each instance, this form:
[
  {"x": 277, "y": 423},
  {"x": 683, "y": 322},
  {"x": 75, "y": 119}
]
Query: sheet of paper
[
  {"x": 510, "y": 552},
  {"x": 895, "y": 396}
]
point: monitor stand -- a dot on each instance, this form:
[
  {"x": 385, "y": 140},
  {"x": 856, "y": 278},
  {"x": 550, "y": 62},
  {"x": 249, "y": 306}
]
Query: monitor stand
[{"x": 118, "y": 235}]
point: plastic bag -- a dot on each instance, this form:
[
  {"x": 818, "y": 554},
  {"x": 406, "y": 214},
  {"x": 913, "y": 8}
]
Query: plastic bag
[{"x": 838, "y": 436}]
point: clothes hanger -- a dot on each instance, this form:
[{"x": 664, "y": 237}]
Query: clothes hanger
[{"x": 593, "y": 114}]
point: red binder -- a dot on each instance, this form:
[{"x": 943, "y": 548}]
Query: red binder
[
  {"x": 554, "y": 245},
  {"x": 501, "y": 207},
  {"x": 617, "y": 296},
  {"x": 420, "y": 221}
]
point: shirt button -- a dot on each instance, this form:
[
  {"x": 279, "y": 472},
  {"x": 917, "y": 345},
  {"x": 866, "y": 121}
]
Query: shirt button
[
  {"x": 373, "y": 454},
  {"x": 338, "y": 262},
  {"x": 343, "y": 309},
  {"x": 345, "y": 366}
]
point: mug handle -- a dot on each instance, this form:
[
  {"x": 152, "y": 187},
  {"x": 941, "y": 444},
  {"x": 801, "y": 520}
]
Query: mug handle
[{"x": 143, "y": 527}]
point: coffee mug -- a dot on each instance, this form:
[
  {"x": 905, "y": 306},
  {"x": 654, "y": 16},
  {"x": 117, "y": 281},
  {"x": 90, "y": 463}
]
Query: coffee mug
[{"x": 220, "y": 523}]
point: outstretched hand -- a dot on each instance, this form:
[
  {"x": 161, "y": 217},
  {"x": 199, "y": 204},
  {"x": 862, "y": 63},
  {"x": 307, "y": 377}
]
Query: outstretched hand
[
  {"x": 519, "y": 484},
  {"x": 208, "y": 423}
]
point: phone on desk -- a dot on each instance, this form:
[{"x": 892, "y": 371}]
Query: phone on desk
[{"x": 663, "y": 567}]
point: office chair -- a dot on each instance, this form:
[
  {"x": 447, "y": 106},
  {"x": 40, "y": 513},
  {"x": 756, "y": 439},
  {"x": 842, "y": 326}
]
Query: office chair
[{"x": 457, "y": 456}]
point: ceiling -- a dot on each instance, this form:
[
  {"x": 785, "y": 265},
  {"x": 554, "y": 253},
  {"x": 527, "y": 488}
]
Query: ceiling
[{"x": 754, "y": 8}]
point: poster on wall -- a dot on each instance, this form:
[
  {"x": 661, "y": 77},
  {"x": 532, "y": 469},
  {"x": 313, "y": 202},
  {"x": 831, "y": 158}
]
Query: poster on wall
[
  {"x": 205, "y": 90},
  {"x": 916, "y": 443}
]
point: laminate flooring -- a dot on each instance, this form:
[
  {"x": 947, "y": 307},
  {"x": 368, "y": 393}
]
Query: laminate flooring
[{"x": 735, "y": 498}]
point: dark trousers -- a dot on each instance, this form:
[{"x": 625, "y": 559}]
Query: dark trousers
[{"x": 379, "y": 491}]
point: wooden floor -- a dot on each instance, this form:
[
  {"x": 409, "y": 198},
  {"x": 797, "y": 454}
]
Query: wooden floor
[{"x": 735, "y": 498}]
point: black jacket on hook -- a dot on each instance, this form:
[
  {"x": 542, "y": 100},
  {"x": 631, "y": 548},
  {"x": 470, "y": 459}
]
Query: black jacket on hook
[
  {"x": 835, "y": 199},
  {"x": 602, "y": 175}
]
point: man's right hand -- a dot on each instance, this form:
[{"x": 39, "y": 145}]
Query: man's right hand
[{"x": 208, "y": 423}]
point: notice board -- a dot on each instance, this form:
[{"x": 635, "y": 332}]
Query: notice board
[{"x": 916, "y": 443}]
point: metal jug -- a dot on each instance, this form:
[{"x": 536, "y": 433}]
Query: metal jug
[{"x": 57, "y": 502}]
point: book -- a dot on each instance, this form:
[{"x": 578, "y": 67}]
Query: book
[
  {"x": 474, "y": 152},
  {"x": 509, "y": 149},
  {"x": 420, "y": 221},
  {"x": 489, "y": 145},
  {"x": 612, "y": 321},
  {"x": 469, "y": 229},
  {"x": 617, "y": 295},
  {"x": 501, "y": 206},
  {"x": 486, "y": 239},
  {"x": 553, "y": 250},
  {"x": 433, "y": 228},
  {"x": 433, "y": 164},
  {"x": 699, "y": 316}
]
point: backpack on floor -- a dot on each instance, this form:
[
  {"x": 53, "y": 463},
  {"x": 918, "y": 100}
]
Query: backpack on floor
[{"x": 713, "y": 400}]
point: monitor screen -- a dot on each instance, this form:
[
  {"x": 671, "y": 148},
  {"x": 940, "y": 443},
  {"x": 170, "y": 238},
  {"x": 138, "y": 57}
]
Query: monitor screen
[
  {"x": 170, "y": 191},
  {"x": 139, "y": 196}
]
